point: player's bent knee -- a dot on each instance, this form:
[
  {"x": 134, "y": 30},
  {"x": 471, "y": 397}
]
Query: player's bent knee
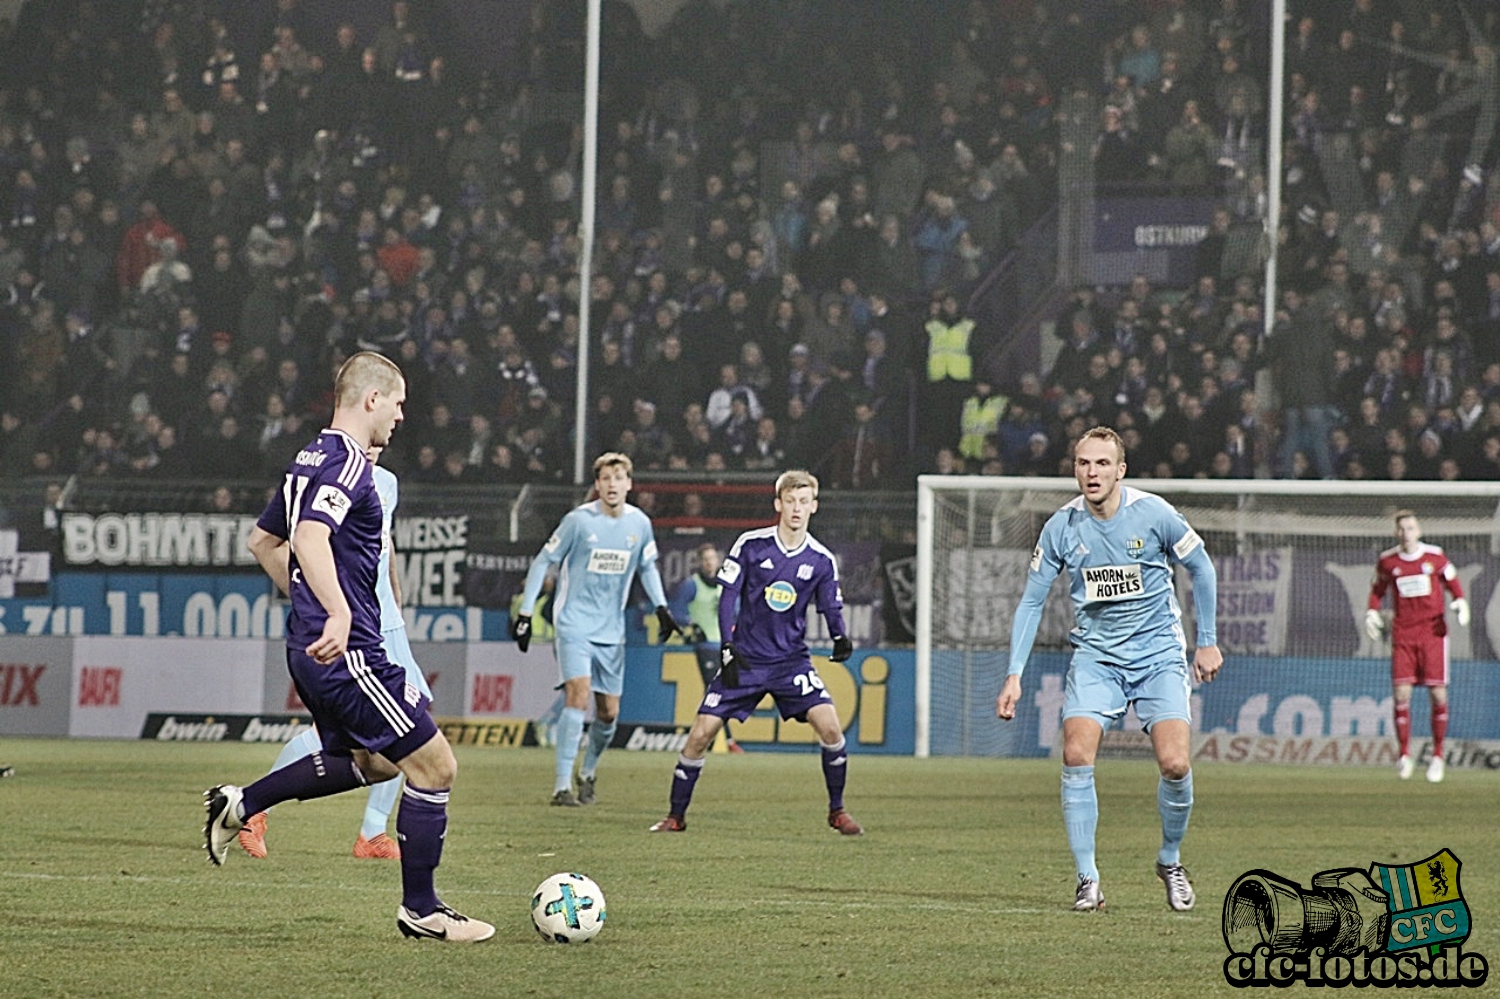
[
  {"x": 824, "y": 719},
  {"x": 433, "y": 765},
  {"x": 376, "y": 768},
  {"x": 1174, "y": 769},
  {"x": 701, "y": 736}
]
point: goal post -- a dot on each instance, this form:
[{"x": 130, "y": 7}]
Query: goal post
[{"x": 1294, "y": 561}]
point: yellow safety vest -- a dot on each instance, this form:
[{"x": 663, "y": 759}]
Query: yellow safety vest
[
  {"x": 703, "y": 609},
  {"x": 979, "y": 420},
  {"x": 948, "y": 350}
]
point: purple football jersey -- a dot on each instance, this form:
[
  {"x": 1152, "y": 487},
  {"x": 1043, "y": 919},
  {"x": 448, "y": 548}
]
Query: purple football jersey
[
  {"x": 774, "y": 586},
  {"x": 329, "y": 481}
]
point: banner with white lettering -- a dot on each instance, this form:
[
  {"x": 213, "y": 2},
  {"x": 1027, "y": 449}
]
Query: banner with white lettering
[
  {"x": 1253, "y": 601},
  {"x": 1155, "y": 236}
]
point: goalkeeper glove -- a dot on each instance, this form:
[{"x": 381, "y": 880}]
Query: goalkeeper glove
[
  {"x": 729, "y": 665},
  {"x": 520, "y": 630},
  {"x": 666, "y": 623},
  {"x": 842, "y": 649},
  {"x": 1461, "y": 612},
  {"x": 1374, "y": 625}
]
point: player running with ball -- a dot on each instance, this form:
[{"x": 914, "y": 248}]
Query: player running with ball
[
  {"x": 770, "y": 577},
  {"x": 1117, "y": 545}
]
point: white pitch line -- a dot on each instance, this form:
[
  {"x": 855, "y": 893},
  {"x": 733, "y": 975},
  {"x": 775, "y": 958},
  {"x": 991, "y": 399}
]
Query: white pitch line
[{"x": 737, "y": 903}]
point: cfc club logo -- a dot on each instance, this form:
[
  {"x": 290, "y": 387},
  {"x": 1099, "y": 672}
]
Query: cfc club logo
[{"x": 1388, "y": 926}]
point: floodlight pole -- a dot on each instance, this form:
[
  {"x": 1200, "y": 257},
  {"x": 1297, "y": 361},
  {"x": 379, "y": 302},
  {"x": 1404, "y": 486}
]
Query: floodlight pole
[
  {"x": 1274, "y": 111},
  {"x": 586, "y": 240}
]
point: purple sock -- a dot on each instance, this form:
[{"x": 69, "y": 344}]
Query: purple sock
[
  {"x": 420, "y": 826},
  {"x": 684, "y": 779},
  {"x": 315, "y": 776},
  {"x": 835, "y": 770}
]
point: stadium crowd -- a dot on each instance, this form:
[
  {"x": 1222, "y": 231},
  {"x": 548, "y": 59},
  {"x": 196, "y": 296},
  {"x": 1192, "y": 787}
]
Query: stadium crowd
[{"x": 205, "y": 206}]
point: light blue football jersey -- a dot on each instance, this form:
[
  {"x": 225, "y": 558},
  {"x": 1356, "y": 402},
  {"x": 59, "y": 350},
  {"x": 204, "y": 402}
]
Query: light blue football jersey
[
  {"x": 390, "y": 610},
  {"x": 1119, "y": 570},
  {"x": 597, "y": 556}
]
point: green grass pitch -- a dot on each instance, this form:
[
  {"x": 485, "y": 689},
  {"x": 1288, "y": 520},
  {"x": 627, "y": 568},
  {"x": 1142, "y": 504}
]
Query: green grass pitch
[{"x": 961, "y": 887}]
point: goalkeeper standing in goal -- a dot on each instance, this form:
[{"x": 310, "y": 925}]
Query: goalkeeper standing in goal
[
  {"x": 1419, "y": 634},
  {"x": 1117, "y": 545}
]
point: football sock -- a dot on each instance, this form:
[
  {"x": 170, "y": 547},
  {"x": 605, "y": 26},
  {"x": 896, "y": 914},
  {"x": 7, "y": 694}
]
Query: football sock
[
  {"x": 600, "y": 734},
  {"x": 1439, "y": 726},
  {"x": 1080, "y": 817},
  {"x": 1174, "y": 799},
  {"x": 379, "y": 806},
  {"x": 297, "y": 747},
  {"x": 569, "y": 730},
  {"x": 315, "y": 776},
  {"x": 835, "y": 770},
  {"x": 420, "y": 827},
  {"x": 1403, "y": 727},
  {"x": 684, "y": 778}
]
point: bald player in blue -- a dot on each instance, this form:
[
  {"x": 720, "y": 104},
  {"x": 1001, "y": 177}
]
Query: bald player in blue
[
  {"x": 1117, "y": 545},
  {"x": 598, "y": 549}
]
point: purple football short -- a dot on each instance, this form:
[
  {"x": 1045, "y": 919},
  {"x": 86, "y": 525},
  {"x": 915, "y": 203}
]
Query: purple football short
[
  {"x": 362, "y": 701},
  {"x": 795, "y": 686}
]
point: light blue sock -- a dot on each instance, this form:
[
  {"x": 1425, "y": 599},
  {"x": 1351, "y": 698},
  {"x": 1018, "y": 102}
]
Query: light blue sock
[
  {"x": 1174, "y": 799},
  {"x": 297, "y": 747},
  {"x": 569, "y": 731},
  {"x": 1081, "y": 816},
  {"x": 378, "y": 808},
  {"x": 600, "y": 734}
]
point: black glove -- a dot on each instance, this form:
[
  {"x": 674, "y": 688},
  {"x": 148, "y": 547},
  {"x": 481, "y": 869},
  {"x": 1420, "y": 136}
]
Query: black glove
[
  {"x": 842, "y": 648},
  {"x": 694, "y": 634},
  {"x": 729, "y": 665},
  {"x": 666, "y": 623},
  {"x": 520, "y": 630}
]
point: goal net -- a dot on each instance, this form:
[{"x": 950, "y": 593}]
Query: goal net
[{"x": 1294, "y": 562}]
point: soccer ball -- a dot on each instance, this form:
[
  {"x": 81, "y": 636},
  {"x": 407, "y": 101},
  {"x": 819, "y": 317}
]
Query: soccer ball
[{"x": 567, "y": 908}]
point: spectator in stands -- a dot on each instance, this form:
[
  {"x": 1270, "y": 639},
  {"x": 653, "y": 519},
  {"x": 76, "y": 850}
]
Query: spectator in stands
[{"x": 950, "y": 371}]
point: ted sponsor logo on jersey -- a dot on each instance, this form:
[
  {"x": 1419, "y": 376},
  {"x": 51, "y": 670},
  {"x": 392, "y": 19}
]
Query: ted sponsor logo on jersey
[
  {"x": 1112, "y": 582},
  {"x": 781, "y": 596}
]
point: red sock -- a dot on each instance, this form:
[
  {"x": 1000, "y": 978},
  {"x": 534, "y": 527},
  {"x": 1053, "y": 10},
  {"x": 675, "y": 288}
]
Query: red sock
[
  {"x": 1439, "y": 727},
  {"x": 1403, "y": 727}
]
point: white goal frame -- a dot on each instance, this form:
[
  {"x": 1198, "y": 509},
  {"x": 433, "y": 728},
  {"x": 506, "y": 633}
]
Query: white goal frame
[{"x": 1419, "y": 495}]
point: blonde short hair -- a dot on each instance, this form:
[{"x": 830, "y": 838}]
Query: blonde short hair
[
  {"x": 614, "y": 458},
  {"x": 1102, "y": 433},
  {"x": 365, "y": 371},
  {"x": 796, "y": 479}
]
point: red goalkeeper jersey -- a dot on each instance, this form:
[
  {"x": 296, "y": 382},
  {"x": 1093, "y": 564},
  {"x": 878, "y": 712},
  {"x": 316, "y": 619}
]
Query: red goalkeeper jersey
[{"x": 1418, "y": 580}]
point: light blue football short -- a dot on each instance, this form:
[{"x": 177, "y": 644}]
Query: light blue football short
[
  {"x": 1103, "y": 692},
  {"x": 604, "y": 665},
  {"x": 398, "y": 651}
]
